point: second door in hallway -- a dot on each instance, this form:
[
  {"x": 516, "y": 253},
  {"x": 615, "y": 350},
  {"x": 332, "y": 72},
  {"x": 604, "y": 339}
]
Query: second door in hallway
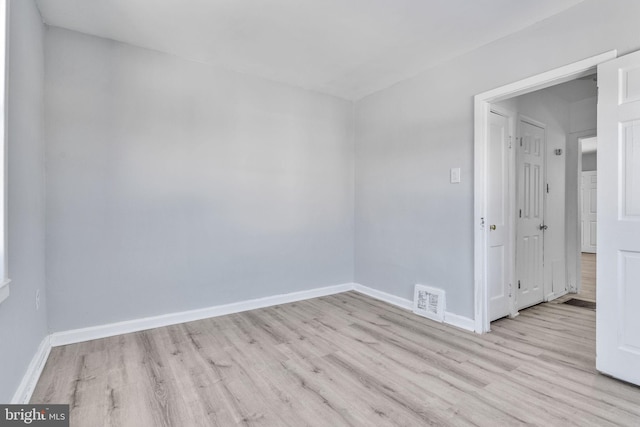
[{"x": 530, "y": 213}]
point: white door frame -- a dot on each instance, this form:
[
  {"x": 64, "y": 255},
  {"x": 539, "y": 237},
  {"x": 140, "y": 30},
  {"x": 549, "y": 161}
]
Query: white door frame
[
  {"x": 575, "y": 285},
  {"x": 482, "y": 106}
]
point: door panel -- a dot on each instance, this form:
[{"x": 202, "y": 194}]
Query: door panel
[
  {"x": 498, "y": 217},
  {"x": 530, "y": 206},
  {"x": 589, "y": 211},
  {"x": 630, "y": 173},
  {"x": 618, "y": 262}
]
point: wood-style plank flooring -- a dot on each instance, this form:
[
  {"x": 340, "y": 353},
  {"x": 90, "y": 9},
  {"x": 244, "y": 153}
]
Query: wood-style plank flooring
[
  {"x": 587, "y": 281},
  {"x": 342, "y": 360},
  {"x": 588, "y": 276}
]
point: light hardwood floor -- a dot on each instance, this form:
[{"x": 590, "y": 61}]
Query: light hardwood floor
[
  {"x": 341, "y": 360},
  {"x": 588, "y": 276},
  {"x": 587, "y": 281}
]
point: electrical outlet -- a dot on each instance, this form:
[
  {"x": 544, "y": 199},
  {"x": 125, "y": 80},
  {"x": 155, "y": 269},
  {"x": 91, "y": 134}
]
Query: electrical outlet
[{"x": 37, "y": 299}]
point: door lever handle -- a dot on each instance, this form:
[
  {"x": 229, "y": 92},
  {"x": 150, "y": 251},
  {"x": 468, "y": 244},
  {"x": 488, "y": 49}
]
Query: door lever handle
[
  {"x": 492, "y": 227},
  {"x": 543, "y": 227}
]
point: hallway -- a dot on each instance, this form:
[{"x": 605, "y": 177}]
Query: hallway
[{"x": 588, "y": 288}]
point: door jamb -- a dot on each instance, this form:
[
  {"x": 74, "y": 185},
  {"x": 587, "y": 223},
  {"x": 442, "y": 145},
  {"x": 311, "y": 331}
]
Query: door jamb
[
  {"x": 482, "y": 107},
  {"x": 575, "y": 138},
  {"x": 583, "y": 135}
]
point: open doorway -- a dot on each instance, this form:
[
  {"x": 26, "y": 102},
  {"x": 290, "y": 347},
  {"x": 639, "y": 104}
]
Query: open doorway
[
  {"x": 618, "y": 203},
  {"x": 588, "y": 210},
  {"x": 546, "y": 115},
  {"x": 536, "y": 181}
]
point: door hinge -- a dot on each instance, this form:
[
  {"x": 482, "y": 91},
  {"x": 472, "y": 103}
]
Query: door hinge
[
  {"x": 547, "y": 188},
  {"x": 520, "y": 141},
  {"x": 518, "y": 284},
  {"x": 510, "y": 139},
  {"x": 510, "y": 287},
  {"x": 520, "y": 213}
]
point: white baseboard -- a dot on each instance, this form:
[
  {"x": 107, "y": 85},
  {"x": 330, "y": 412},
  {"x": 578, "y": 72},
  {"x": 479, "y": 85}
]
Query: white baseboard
[
  {"x": 4, "y": 290},
  {"x": 383, "y": 296},
  {"x": 31, "y": 377},
  {"x": 135, "y": 325},
  {"x": 25, "y": 390},
  {"x": 459, "y": 321},
  {"x": 449, "y": 318},
  {"x": 553, "y": 296},
  {"x": 103, "y": 331}
]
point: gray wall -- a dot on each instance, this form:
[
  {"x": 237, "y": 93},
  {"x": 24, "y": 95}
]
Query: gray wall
[
  {"x": 583, "y": 114},
  {"x": 22, "y": 328},
  {"x": 172, "y": 185},
  {"x": 589, "y": 162},
  {"x": 412, "y": 225}
]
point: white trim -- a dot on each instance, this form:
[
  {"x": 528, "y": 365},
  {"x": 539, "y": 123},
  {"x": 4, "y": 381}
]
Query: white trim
[
  {"x": 4, "y": 290},
  {"x": 459, "y": 321},
  {"x": 32, "y": 375},
  {"x": 449, "y": 318},
  {"x": 481, "y": 113},
  {"x": 135, "y": 325},
  {"x": 555, "y": 295},
  {"x": 383, "y": 296},
  {"x": 108, "y": 330},
  {"x": 549, "y": 78},
  {"x": 576, "y": 138}
]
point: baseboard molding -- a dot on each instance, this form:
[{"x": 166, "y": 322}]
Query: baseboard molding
[
  {"x": 32, "y": 375},
  {"x": 4, "y": 290},
  {"x": 459, "y": 321},
  {"x": 136, "y": 325},
  {"x": 103, "y": 331},
  {"x": 449, "y": 318},
  {"x": 553, "y": 296},
  {"x": 25, "y": 390},
  {"x": 383, "y": 296}
]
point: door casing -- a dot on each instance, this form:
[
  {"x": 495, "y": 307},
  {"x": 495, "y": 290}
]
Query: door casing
[{"x": 482, "y": 107}]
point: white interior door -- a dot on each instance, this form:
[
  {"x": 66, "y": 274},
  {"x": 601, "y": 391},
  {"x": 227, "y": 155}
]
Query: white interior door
[
  {"x": 498, "y": 217},
  {"x": 589, "y": 211},
  {"x": 530, "y": 218},
  {"x": 618, "y": 263}
]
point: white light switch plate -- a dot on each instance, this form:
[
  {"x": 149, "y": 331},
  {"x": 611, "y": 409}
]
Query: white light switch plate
[{"x": 455, "y": 175}]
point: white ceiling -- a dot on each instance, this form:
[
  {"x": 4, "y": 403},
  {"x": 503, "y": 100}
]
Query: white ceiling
[{"x": 347, "y": 48}]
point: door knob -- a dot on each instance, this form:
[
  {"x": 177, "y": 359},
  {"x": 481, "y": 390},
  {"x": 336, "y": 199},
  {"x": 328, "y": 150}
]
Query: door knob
[
  {"x": 543, "y": 227},
  {"x": 492, "y": 227}
]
